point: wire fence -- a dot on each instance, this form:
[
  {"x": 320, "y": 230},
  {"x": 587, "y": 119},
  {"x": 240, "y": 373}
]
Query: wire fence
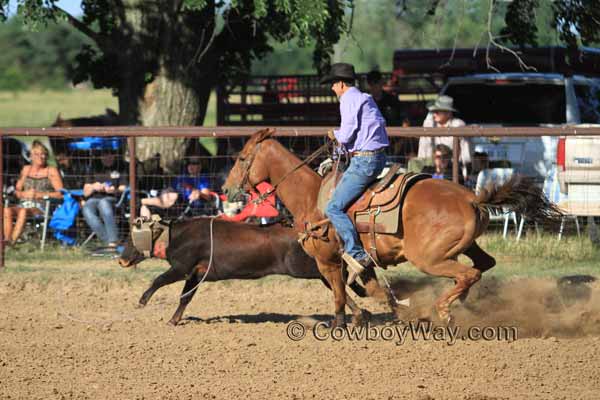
[{"x": 204, "y": 158}]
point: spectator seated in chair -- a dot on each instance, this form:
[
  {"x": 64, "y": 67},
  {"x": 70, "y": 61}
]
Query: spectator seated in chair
[
  {"x": 72, "y": 175},
  {"x": 170, "y": 204},
  {"x": 101, "y": 193},
  {"x": 442, "y": 164},
  {"x": 37, "y": 182},
  {"x": 480, "y": 162},
  {"x": 189, "y": 193}
]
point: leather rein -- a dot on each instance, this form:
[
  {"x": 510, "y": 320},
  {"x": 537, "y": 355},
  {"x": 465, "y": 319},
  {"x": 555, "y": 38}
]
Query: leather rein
[{"x": 247, "y": 164}]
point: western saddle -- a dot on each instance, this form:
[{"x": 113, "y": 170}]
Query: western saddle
[{"x": 379, "y": 208}]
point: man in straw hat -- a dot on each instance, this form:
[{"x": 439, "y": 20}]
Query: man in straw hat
[
  {"x": 362, "y": 134},
  {"x": 441, "y": 114}
]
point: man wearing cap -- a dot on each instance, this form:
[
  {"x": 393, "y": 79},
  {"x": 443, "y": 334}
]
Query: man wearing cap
[
  {"x": 441, "y": 114},
  {"x": 362, "y": 134}
]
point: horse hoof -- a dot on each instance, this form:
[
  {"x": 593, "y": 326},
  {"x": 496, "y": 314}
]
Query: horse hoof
[
  {"x": 444, "y": 318},
  {"x": 173, "y": 322},
  {"x": 339, "y": 321},
  {"x": 361, "y": 319},
  {"x": 141, "y": 304},
  {"x": 334, "y": 324}
]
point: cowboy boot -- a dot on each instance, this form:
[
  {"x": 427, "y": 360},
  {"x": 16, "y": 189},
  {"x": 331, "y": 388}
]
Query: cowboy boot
[{"x": 356, "y": 267}]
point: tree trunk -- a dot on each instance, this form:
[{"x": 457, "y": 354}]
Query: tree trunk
[
  {"x": 130, "y": 51},
  {"x": 170, "y": 102},
  {"x": 178, "y": 94}
]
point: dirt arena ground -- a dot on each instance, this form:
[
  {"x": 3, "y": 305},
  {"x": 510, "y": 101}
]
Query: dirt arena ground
[{"x": 85, "y": 339}]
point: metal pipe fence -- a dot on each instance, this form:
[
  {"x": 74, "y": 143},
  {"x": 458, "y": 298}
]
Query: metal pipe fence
[
  {"x": 244, "y": 131},
  {"x": 150, "y": 177}
]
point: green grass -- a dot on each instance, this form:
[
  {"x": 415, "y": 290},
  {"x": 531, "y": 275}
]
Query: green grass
[
  {"x": 536, "y": 256},
  {"x": 27, "y": 262},
  {"x": 39, "y": 108},
  {"x": 542, "y": 256}
]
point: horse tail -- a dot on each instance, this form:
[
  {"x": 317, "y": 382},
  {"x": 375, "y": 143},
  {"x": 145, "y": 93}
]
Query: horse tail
[{"x": 521, "y": 195}]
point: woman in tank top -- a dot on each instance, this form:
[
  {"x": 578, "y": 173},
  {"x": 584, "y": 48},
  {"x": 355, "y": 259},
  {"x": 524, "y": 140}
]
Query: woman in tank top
[{"x": 36, "y": 182}]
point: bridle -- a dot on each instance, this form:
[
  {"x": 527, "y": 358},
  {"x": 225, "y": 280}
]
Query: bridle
[{"x": 246, "y": 164}]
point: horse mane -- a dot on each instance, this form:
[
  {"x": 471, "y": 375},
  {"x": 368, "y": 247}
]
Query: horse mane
[{"x": 306, "y": 167}]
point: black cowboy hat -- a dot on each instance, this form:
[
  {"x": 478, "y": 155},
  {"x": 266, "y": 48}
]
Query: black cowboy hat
[{"x": 339, "y": 72}]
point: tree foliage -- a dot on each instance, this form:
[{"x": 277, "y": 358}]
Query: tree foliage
[
  {"x": 238, "y": 30},
  {"x": 521, "y": 27},
  {"x": 37, "y": 59},
  {"x": 191, "y": 44},
  {"x": 577, "y": 21},
  {"x": 198, "y": 43},
  {"x": 381, "y": 26}
]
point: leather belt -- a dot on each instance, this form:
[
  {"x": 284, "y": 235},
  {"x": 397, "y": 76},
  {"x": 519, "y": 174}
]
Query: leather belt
[{"x": 367, "y": 153}]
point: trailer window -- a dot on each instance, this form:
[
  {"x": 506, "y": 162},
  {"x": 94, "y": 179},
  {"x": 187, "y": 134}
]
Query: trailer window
[
  {"x": 509, "y": 104},
  {"x": 588, "y": 99}
]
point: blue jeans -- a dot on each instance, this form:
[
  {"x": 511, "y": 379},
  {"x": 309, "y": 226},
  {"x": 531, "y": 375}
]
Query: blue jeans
[
  {"x": 363, "y": 171},
  {"x": 104, "y": 225}
]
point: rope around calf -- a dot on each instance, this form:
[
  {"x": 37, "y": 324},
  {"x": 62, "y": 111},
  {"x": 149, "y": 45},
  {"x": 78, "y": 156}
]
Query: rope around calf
[
  {"x": 210, "y": 261},
  {"x": 103, "y": 323}
]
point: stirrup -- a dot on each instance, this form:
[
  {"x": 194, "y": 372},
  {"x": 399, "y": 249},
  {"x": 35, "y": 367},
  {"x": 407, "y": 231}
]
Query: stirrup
[{"x": 354, "y": 268}]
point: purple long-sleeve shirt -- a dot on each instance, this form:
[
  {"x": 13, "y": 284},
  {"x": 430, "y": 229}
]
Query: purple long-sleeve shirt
[{"x": 363, "y": 126}]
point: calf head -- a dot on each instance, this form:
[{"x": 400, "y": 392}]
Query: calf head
[
  {"x": 130, "y": 255},
  {"x": 149, "y": 238}
]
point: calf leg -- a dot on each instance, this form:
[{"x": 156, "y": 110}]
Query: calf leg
[
  {"x": 166, "y": 278},
  {"x": 359, "y": 315},
  {"x": 184, "y": 301}
]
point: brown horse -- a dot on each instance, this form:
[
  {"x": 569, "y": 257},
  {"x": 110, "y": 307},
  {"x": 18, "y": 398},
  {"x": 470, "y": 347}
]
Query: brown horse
[
  {"x": 440, "y": 219},
  {"x": 110, "y": 118}
]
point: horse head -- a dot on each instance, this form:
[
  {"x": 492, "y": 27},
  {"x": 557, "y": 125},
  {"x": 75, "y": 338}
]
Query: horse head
[
  {"x": 61, "y": 123},
  {"x": 250, "y": 168},
  {"x": 110, "y": 118}
]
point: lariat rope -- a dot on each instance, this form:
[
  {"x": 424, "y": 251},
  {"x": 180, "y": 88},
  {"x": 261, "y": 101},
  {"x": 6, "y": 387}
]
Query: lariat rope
[{"x": 210, "y": 261}]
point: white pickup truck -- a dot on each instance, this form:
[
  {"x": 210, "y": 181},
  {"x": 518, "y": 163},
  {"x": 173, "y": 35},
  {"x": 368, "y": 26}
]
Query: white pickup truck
[
  {"x": 578, "y": 163},
  {"x": 536, "y": 99}
]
